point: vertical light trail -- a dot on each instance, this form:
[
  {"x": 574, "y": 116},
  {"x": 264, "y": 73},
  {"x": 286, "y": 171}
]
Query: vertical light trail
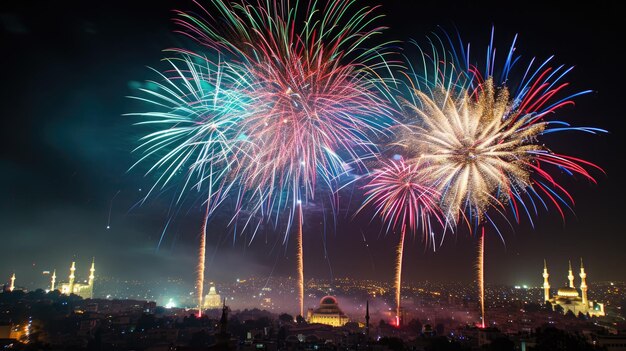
[
  {"x": 300, "y": 259},
  {"x": 201, "y": 260},
  {"x": 399, "y": 252},
  {"x": 481, "y": 275}
]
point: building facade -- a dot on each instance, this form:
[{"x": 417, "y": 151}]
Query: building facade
[
  {"x": 212, "y": 300},
  {"x": 328, "y": 313}
]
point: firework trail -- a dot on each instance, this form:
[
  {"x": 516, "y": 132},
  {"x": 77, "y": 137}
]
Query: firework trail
[
  {"x": 478, "y": 134},
  {"x": 300, "y": 260},
  {"x": 318, "y": 98},
  {"x": 403, "y": 197},
  {"x": 398, "y": 275},
  {"x": 480, "y": 269},
  {"x": 110, "y": 209},
  {"x": 196, "y": 107}
]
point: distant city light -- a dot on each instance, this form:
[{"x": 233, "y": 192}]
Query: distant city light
[{"x": 170, "y": 304}]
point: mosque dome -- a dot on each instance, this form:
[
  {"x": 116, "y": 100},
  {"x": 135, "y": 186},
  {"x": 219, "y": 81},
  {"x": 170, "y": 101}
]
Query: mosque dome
[
  {"x": 328, "y": 305},
  {"x": 328, "y": 300},
  {"x": 567, "y": 292}
]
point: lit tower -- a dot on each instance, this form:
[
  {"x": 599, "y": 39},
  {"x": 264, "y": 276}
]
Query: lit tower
[
  {"x": 92, "y": 270},
  {"x": 546, "y": 285},
  {"x": 583, "y": 283},
  {"x": 12, "y": 286},
  {"x": 570, "y": 276},
  {"x": 53, "y": 280},
  {"x": 72, "y": 277}
]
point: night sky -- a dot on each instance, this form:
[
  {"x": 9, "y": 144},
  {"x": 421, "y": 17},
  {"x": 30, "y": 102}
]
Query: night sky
[{"x": 66, "y": 148}]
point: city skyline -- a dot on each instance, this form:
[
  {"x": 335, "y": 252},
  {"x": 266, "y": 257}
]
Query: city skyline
[{"x": 69, "y": 195}]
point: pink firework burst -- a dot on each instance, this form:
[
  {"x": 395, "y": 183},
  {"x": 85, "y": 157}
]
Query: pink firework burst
[{"x": 403, "y": 197}]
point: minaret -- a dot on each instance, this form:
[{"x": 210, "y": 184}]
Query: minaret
[
  {"x": 583, "y": 283},
  {"x": 222, "y": 337},
  {"x": 12, "y": 286},
  {"x": 570, "y": 276},
  {"x": 72, "y": 277},
  {"x": 53, "y": 280},
  {"x": 546, "y": 285},
  {"x": 367, "y": 320},
  {"x": 223, "y": 328},
  {"x": 92, "y": 270}
]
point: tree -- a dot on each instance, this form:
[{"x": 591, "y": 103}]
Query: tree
[
  {"x": 300, "y": 319},
  {"x": 285, "y": 318}
]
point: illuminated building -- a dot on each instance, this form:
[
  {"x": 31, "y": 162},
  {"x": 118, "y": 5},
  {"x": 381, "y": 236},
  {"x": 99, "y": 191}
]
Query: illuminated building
[
  {"x": 84, "y": 290},
  {"x": 569, "y": 298},
  {"x": 12, "y": 286},
  {"x": 328, "y": 313},
  {"x": 212, "y": 300}
]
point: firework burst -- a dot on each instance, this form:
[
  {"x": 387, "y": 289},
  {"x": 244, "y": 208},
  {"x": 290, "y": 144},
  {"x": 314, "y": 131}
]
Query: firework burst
[
  {"x": 403, "y": 197},
  {"x": 198, "y": 106},
  {"x": 316, "y": 92},
  {"x": 480, "y": 136}
]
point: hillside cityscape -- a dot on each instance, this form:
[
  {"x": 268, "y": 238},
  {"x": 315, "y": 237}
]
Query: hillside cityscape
[{"x": 258, "y": 313}]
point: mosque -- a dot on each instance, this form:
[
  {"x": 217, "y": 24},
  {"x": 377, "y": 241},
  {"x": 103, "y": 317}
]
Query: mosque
[
  {"x": 84, "y": 290},
  {"x": 212, "y": 300},
  {"x": 327, "y": 313},
  {"x": 569, "y": 298}
]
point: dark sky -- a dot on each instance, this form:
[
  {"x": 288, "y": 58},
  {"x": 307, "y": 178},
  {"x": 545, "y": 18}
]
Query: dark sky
[{"x": 66, "y": 148}]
